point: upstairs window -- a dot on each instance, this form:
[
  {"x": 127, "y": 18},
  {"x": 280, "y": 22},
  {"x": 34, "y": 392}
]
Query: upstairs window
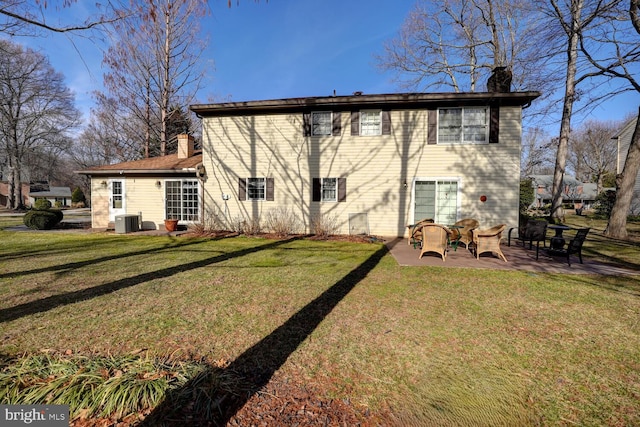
[
  {"x": 469, "y": 125},
  {"x": 370, "y": 122},
  {"x": 321, "y": 123}
]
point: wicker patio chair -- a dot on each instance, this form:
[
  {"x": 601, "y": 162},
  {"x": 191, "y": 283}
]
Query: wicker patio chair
[
  {"x": 415, "y": 231},
  {"x": 435, "y": 239},
  {"x": 468, "y": 224},
  {"x": 488, "y": 241}
]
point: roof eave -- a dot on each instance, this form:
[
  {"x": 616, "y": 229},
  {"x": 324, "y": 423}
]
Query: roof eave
[
  {"x": 103, "y": 172},
  {"x": 398, "y": 101}
]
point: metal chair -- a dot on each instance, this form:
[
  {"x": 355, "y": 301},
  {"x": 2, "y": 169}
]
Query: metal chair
[
  {"x": 574, "y": 247},
  {"x": 534, "y": 231}
]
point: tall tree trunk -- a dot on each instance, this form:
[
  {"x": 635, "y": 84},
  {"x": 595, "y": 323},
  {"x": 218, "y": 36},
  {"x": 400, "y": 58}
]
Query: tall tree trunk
[
  {"x": 617, "y": 225},
  {"x": 565, "y": 124},
  {"x": 166, "y": 81}
]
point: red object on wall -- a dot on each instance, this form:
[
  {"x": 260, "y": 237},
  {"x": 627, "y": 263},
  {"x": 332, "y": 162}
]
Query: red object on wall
[{"x": 483, "y": 198}]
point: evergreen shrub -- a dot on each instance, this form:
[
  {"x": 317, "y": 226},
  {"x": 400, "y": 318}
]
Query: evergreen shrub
[{"x": 42, "y": 219}]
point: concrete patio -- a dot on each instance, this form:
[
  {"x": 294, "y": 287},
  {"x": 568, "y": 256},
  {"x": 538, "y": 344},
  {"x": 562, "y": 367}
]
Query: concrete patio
[{"x": 518, "y": 258}]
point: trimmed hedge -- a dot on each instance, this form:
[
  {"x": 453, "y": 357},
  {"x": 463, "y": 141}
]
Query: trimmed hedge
[{"x": 43, "y": 219}]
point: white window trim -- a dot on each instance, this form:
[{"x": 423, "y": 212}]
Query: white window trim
[
  {"x": 462, "y": 141},
  {"x": 379, "y": 112},
  {"x": 436, "y": 178},
  {"x": 199, "y": 184},
  {"x": 330, "y": 127},
  {"x": 335, "y": 188}
]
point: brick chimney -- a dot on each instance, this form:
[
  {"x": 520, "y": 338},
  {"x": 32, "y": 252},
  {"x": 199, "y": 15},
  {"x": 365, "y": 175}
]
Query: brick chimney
[
  {"x": 500, "y": 80},
  {"x": 185, "y": 146}
]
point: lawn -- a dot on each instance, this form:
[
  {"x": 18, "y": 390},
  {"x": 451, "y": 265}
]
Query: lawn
[{"x": 431, "y": 346}]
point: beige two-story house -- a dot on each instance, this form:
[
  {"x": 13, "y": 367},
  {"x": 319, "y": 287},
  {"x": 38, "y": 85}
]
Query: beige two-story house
[{"x": 368, "y": 163}]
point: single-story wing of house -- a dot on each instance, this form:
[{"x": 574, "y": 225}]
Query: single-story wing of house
[
  {"x": 154, "y": 189},
  {"x": 358, "y": 164}
]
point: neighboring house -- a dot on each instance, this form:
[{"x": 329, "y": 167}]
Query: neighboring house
[
  {"x": 4, "y": 193},
  {"x": 53, "y": 194},
  {"x": 581, "y": 194},
  {"x": 624, "y": 141},
  {"x": 370, "y": 163},
  {"x": 155, "y": 188}
]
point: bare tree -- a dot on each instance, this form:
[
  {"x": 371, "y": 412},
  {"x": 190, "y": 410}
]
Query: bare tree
[
  {"x": 155, "y": 64},
  {"x": 536, "y": 158},
  {"x": 593, "y": 152},
  {"x": 27, "y": 18},
  {"x": 455, "y": 44},
  {"x": 613, "y": 53},
  {"x": 573, "y": 18},
  {"x": 36, "y": 110}
]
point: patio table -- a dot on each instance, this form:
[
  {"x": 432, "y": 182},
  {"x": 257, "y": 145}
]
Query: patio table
[{"x": 557, "y": 241}]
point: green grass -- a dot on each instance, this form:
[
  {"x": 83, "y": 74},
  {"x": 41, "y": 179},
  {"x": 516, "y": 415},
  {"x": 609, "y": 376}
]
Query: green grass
[{"x": 439, "y": 346}]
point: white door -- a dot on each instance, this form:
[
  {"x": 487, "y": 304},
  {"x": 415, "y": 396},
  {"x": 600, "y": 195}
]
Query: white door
[{"x": 116, "y": 198}]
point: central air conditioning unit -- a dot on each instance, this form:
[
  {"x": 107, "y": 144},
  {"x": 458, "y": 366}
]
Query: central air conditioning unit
[{"x": 126, "y": 224}]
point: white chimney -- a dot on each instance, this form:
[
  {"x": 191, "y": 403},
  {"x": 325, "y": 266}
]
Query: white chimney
[{"x": 185, "y": 146}]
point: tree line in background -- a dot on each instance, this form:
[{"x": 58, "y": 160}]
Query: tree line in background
[{"x": 576, "y": 52}]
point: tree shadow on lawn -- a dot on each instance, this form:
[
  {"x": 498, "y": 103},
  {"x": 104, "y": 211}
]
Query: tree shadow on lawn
[
  {"x": 170, "y": 245},
  {"x": 254, "y": 368},
  {"x": 49, "y": 303}
]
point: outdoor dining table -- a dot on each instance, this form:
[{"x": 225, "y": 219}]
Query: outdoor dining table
[{"x": 557, "y": 241}]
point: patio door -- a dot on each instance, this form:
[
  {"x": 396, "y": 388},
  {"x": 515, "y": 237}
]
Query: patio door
[
  {"x": 116, "y": 198},
  {"x": 437, "y": 199}
]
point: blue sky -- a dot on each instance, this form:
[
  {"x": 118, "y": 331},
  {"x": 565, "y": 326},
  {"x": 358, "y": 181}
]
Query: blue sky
[{"x": 274, "y": 49}]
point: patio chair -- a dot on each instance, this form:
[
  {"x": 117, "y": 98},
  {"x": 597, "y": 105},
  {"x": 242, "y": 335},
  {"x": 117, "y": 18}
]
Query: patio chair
[
  {"x": 488, "y": 241},
  {"x": 574, "y": 247},
  {"x": 434, "y": 239},
  {"x": 534, "y": 231},
  {"x": 415, "y": 231},
  {"x": 465, "y": 232}
]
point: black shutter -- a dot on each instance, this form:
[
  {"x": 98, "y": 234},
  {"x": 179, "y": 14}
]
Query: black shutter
[
  {"x": 386, "y": 122},
  {"x": 342, "y": 189},
  {"x": 306, "y": 124},
  {"x": 242, "y": 189},
  {"x": 316, "y": 190},
  {"x": 270, "y": 184},
  {"x": 494, "y": 125},
  {"x": 355, "y": 123},
  {"x": 432, "y": 127},
  {"x": 337, "y": 123}
]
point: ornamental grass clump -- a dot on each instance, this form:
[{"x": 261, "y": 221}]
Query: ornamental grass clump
[{"x": 105, "y": 387}]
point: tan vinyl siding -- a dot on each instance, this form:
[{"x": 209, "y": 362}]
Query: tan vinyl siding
[
  {"x": 376, "y": 168},
  {"x": 624, "y": 141},
  {"x": 142, "y": 195}
]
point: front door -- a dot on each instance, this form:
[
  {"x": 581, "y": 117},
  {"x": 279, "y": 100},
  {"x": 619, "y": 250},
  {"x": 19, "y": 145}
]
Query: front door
[
  {"x": 116, "y": 198},
  {"x": 436, "y": 199}
]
